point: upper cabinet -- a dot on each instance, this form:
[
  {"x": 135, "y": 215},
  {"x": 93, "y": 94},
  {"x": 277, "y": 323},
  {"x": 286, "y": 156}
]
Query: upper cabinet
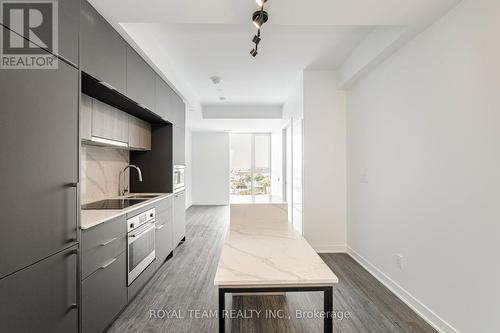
[
  {"x": 86, "y": 117},
  {"x": 169, "y": 105},
  {"x": 99, "y": 121},
  {"x": 164, "y": 97},
  {"x": 179, "y": 145},
  {"x": 139, "y": 134},
  {"x": 140, "y": 80},
  {"x": 103, "y": 51},
  {"x": 109, "y": 123},
  {"x": 179, "y": 111},
  {"x": 68, "y": 28}
]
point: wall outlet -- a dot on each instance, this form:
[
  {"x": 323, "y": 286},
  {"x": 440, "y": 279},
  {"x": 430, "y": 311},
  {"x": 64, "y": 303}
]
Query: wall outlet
[{"x": 400, "y": 261}]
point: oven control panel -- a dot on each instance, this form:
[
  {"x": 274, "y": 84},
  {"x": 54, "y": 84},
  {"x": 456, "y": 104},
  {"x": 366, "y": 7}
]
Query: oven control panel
[{"x": 141, "y": 219}]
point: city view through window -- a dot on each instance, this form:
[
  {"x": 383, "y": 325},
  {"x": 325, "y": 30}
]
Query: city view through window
[{"x": 250, "y": 167}]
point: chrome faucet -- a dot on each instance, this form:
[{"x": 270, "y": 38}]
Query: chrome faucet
[{"x": 122, "y": 189}]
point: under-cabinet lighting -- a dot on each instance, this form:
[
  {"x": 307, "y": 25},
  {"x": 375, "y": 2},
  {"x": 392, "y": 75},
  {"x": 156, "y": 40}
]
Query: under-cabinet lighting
[{"x": 109, "y": 142}]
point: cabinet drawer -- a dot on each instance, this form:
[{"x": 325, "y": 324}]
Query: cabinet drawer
[
  {"x": 100, "y": 255},
  {"x": 104, "y": 295},
  {"x": 103, "y": 233}
]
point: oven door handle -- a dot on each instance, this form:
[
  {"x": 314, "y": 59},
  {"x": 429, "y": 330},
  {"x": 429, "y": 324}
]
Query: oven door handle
[{"x": 152, "y": 226}]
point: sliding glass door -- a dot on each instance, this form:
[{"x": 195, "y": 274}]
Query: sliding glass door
[{"x": 250, "y": 167}]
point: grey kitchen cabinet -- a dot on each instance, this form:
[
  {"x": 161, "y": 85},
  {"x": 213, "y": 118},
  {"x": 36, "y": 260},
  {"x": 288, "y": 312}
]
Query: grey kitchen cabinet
[
  {"x": 179, "y": 217},
  {"x": 39, "y": 145},
  {"x": 99, "y": 255},
  {"x": 139, "y": 134},
  {"x": 102, "y": 243},
  {"x": 86, "y": 117},
  {"x": 141, "y": 280},
  {"x": 140, "y": 80},
  {"x": 164, "y": 229},
  {"x": 164, "y": 99},
  {"x": 109, "y": 122},
  {"x": 104, "y": 295},
  {"x": 179, "y": 145},
  {"x": 68, "y": 29},
  {"x": 179, "y": 111},
  {"x": 103, "y": 51},
  {"x": 42, "y": 297}
]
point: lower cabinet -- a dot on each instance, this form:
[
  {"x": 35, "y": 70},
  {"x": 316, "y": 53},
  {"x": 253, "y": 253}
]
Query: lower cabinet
[
  {"x": 179, "y": 217},
  {"x": 164, "y": 235},
  {"x": 104, "y": 295},
  {"x": 42, "y": 297}
]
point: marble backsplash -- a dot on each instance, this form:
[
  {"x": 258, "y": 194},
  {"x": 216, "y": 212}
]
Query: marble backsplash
[{"x": 101, "y": 167}]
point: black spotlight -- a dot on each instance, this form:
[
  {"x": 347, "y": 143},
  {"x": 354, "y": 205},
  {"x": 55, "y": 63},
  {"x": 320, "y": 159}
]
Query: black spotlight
[
  {"x": 256, "y": 38},
  {"x": 254, "y": 52},
  {"x": 259, "y": 18}
]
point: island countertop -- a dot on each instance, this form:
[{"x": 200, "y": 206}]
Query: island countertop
[
  {"x": 91, "y": 218},
  {"x": 262, "y": 249}
]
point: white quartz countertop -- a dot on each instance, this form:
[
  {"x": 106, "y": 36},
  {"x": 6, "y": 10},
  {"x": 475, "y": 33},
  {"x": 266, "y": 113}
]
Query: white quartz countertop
[
  {"x": 91, "y": 218},
  {"x": 262, "y": 249}
]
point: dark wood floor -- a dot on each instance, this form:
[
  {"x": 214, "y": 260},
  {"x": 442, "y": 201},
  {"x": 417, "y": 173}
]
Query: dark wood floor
[{"x": 182, "y": 292}]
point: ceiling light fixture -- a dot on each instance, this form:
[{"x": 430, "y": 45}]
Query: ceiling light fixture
[
  {"x": 258, "y": 18},
  {"x": 215, "y": 79},
  {"x": 256, "y": 38}
]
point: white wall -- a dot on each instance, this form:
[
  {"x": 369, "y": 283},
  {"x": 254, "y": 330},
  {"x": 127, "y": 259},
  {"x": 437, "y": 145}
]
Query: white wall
[
  {"x": 325, "y": 190},
  {"x": 189, "y": 170},
  {"x": 277, "y": 163},
  {"x": 210, "y": 167},
  {"x": 424, "y": 169}
]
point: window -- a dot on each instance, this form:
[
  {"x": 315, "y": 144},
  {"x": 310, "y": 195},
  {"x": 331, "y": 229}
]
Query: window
[{"x": 250, "y": 167}]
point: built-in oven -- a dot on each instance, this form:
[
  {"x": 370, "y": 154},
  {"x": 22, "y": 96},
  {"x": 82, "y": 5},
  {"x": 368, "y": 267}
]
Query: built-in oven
[
  {"x": 140, "y": 243},
  {"x": 179, "y": 178}
]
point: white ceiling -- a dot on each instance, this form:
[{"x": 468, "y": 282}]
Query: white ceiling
[
  {"x": 200, "y": 51},
  {"x": 192, "y": 40}
]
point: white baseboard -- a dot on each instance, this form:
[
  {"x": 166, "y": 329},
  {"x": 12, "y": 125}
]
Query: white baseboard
[
  {"x": 329, "y": 248},
  {"x": 209, "y": 203},
  {"x": 423, "y": 311}
]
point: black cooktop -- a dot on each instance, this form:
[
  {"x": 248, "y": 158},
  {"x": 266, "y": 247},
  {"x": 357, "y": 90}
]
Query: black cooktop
[{"x": 112, "y": 204}]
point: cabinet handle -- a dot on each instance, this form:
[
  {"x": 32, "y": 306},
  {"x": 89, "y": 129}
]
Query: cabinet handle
[
  {"x": 107, "y": 264},
  {"x": 74, "y": 184},
  {"x": 109, "y": 241},
  {"x": 160, "y": 227}
]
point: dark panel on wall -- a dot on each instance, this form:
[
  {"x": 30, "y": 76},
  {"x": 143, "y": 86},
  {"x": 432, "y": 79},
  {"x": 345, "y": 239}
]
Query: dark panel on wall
[{"x": 156, "y": 165}]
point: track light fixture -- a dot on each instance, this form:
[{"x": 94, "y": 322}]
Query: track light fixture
[
  {"x": 256, "y": 38},
  {"x": 258, "y": 18}
]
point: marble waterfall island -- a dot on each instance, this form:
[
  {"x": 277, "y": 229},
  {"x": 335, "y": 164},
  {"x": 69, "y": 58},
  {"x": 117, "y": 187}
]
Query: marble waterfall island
[{"x": 262, "y": 252}]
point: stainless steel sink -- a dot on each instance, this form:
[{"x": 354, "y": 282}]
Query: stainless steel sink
[{"x": 143, "y": 196}]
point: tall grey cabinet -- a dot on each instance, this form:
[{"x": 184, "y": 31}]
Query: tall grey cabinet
[
  {"x": 38, "y": 242},
  {"x": 103, "y": 51}
]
